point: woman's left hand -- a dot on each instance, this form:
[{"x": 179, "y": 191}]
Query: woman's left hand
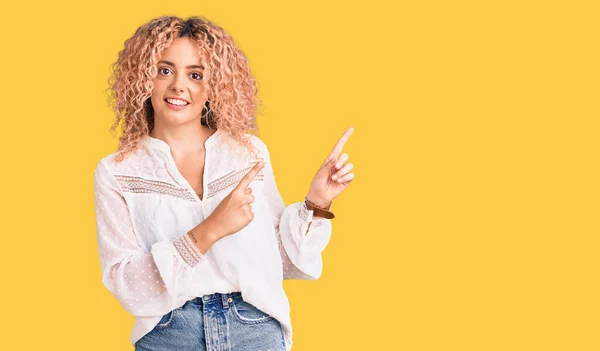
[{"x": 333, "y": 176}]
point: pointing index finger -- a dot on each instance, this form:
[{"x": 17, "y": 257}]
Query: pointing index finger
[
  {"x": 250, "y": 175},
  {"x": 340, "y": 144}
]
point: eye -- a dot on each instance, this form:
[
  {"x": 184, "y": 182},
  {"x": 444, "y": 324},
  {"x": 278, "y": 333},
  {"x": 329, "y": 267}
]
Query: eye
[
  {"x": 198, "y": 75},
  {"x": 160, "y": 70}
]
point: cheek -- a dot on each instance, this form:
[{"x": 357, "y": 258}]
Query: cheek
[
  {"x": 157, "y": 92},
  {"x": 155, "y": 100},
  {"x": 200, "y": 92},
  {"x": 199, "y": 97}
]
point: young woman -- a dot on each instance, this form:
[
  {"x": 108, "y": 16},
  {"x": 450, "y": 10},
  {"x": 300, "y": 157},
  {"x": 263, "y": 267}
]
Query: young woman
[{"x": 194, "y": 237}]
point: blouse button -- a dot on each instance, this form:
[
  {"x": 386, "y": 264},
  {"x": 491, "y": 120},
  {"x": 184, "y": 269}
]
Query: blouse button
[{"x": 229, "y": 299}]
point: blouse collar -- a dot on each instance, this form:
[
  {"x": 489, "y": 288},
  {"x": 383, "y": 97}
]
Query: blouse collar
[{"x": 159, "y": 144}]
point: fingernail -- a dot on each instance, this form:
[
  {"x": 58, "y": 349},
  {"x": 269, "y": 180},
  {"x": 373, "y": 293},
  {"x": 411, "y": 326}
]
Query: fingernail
[
  {"x": 338, "y": 165},
  {"x": 334, "y": 176}
]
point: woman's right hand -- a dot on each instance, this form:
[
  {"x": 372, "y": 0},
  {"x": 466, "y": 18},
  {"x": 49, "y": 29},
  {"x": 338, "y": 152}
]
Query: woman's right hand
[{"x": 234, "y": 212}]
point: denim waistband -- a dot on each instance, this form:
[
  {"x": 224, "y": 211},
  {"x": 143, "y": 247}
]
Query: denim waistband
[{"x": 223, "y": 298}]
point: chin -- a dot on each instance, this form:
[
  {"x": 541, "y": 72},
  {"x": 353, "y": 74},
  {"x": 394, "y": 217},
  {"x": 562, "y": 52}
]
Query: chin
[{"x": 175, "y": 119}]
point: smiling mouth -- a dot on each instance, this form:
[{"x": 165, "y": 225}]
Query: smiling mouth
[{"x": 176, "y": 102}]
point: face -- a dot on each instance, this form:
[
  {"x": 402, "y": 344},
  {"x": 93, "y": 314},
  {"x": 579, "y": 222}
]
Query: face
[{"x": 180, "y": 88}]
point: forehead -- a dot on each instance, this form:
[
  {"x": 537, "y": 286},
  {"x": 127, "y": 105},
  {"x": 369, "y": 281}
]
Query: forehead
[{"x": 182, "y": 52}]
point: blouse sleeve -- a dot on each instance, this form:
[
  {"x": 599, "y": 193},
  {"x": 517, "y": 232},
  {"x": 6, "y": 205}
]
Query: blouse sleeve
[
  {"x": 301, "y": 238},
  {"x": 144, "y": 283}
]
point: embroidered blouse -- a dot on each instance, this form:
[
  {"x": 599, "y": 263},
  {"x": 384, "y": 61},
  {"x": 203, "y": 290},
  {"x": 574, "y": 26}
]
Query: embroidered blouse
[{"x": 144, "y": 208}]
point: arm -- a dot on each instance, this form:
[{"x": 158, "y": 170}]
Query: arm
[
  {"x": 144, "y": 283},
  {"x": 301, "y": 237}
]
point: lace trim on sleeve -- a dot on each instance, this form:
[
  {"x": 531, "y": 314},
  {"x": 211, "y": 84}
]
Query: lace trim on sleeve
[{"x": 188, "y": 251}]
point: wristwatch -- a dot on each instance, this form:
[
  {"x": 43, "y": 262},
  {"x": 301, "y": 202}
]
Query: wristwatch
[{"x": 318, "y": 211}]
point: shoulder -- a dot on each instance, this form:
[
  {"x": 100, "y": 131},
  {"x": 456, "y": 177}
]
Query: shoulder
[
  {"x": 257, "y": 141},
  {"x": 260, "y": 145},
  {"x": 104, "y": 164},
  {"x": 108, "y": 164},
  {"x": 104, "y": 172}
]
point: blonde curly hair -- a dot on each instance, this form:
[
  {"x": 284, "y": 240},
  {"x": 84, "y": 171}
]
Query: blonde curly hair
[{"x": 232, "y": 96}]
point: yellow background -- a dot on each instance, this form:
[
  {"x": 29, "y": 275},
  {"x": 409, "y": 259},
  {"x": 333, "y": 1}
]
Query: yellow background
[{"x": 473, "y": 220}]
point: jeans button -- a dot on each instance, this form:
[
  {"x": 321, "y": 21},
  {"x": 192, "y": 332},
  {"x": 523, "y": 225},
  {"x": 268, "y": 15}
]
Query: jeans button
[{"x": 229, "y": 299}]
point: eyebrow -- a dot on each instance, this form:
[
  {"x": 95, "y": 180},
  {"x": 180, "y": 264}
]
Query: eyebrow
[{"x": 173, "y": 65}]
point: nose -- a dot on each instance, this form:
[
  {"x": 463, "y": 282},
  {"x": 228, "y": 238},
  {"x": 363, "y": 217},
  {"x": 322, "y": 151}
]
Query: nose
[
  {"x": 176, "y": 87},
  {"x": 177, "y": 83}
]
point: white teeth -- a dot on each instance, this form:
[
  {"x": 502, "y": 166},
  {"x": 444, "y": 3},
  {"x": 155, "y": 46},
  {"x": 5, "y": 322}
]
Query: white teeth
[{"x": 177, "y": 102}]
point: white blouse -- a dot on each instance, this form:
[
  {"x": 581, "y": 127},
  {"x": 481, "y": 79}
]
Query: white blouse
[{"x": 145, "y": 207}]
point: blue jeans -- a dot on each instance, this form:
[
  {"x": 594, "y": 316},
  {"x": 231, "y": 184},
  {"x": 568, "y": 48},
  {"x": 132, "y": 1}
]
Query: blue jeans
[{"x": 215, "y": 322}]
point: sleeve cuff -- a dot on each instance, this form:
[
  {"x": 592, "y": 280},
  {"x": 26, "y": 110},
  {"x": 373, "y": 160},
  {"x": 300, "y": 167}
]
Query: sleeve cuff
[
  {"x": 304, "y": 248},
  {"x": 306, "y": 239},
  {"x": 317, "y": 225},
  {"x": 304, "y": 213},
  {"x": 187, "y": 250}
]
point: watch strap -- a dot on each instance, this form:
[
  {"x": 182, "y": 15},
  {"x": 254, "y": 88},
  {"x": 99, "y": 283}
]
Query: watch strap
[{"x": 318, "y": 211}]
